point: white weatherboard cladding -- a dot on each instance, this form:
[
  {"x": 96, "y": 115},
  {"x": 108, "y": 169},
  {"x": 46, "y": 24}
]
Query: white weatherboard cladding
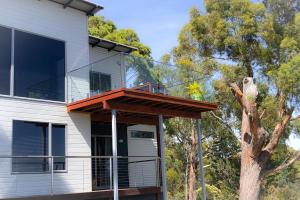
[
  {"x": 108, "y": 62},
  {"x": 78, "y": 175},
  {"x": 50, "y": 20},
  {"x": 102, "y": 60},
  {"x": 142, "y": 174}
]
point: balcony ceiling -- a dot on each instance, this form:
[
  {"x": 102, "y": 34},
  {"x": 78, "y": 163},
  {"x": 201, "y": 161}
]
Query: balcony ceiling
[{"x": 139, "y": 107}]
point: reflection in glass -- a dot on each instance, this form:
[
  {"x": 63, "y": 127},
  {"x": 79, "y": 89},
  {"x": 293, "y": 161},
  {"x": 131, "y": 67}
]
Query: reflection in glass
[
  {"x": 39, "y": 67},
  {"x": 30, "y": 139},
  {"x": 58, "y": 146},
  {"x": 5, "y": 60}
]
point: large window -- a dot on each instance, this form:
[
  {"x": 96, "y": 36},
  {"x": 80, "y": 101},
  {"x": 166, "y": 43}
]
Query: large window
[
  {"x": 39, "y": 67},
  {"x": 5, "y": 60},
  {"x": 99, "y": 82},
  {"x": 32, "y": 139}
]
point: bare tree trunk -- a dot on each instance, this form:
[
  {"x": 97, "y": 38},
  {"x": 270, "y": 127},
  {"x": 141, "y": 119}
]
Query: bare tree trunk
[
  {"x": 250, "y": 178},
  {"x": 255, "y": 151},
  {"x": 251, "y": 168},
  {"x": 192, "y": 167}
]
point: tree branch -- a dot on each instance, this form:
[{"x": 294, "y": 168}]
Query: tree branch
[
  {"x": 283, "y": 165},
  {"x": 237, "y": 92},
  {"x": 279, "y": 128},
  {"x": 262, "y": 114},
  {"x": 221, "y": 121}
]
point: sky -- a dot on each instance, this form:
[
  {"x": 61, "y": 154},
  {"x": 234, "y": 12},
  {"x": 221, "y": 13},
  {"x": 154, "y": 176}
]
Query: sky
[{"x": 157, "y": 22}]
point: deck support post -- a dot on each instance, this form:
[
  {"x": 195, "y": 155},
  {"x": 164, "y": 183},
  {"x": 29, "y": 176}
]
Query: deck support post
[
  {"x": 163, "y": 157},
  {"x": 115, "y": 154},
  {"x": 202, "y": 177}
]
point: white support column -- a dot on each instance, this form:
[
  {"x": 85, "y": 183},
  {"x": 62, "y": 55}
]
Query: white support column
[
  {"x": 163, "y": 158},
  {"x": 199, "y": 132},
  {"x": 115, "y": 153}
]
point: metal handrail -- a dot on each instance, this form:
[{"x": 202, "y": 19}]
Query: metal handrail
[
  {"x": 132, "y": 170},
  {"x": 34, "y": 156}
]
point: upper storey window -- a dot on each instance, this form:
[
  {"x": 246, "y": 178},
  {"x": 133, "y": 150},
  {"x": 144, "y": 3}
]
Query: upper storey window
[
  {"x": 37, "y": 69},
  {"x": 5, "y": 60}
]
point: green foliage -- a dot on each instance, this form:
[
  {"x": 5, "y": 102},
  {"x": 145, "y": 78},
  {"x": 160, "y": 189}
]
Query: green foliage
[
  {"x": 98, "y": 26},
  {"x": 287, "y": 77},
  {"x": 103, "y": 28},
  {"x": 214, "y": 193},
  {"x": 235, "y": 39},
  {"x": 196, "y": 91},
  {"x": 287, "y": 192}
]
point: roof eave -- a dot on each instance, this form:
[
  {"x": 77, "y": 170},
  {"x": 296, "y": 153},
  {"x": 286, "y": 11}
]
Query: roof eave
[
  {"x": 95, "y": 8},
  {"x": 114, "y": 45}
]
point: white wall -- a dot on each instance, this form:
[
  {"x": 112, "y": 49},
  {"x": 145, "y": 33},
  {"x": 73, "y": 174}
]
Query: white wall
[
  {"x": 108, "y": 62},
  {"x": 78, "y": 176},
  {"x": 48, "y": 19},
  {"x": 142, "y": 174},
  {"x": 101, "y": 60}
]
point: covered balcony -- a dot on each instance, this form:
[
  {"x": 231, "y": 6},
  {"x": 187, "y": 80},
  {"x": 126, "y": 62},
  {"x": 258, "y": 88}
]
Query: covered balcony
[{"x": 125, "y": 89}]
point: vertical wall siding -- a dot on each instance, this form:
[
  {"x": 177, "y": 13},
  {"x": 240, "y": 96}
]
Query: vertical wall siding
[{"x": 47, "y": 19}]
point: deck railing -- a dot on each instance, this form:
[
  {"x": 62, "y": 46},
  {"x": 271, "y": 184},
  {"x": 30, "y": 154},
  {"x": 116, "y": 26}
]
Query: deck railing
[
  {"x": 23, "y": 176},
  {"x": 127, "y": 71}
]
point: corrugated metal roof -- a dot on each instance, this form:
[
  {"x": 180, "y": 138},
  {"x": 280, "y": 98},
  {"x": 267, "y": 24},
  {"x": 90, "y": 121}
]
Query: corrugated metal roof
[
  {"x": 82, "y": 5},
  {"x": 110, "y": 45}
]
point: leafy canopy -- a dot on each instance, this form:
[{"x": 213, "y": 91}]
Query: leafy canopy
[{"x": 103, "y": 28}]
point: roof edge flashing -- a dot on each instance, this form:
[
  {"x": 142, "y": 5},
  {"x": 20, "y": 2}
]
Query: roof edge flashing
[
  {"x": 99, "y": 42},
  {"x": 89, "y": 12}
]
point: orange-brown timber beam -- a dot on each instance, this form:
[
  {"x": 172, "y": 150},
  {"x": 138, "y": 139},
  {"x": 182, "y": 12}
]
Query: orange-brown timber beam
[{"x": 149, "y": 110}]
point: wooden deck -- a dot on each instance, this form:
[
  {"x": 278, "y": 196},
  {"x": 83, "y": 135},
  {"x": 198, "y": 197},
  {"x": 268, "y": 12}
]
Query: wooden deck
[
  {"x": 101, "y": 194},
  {"x": 136, "y": 106}
]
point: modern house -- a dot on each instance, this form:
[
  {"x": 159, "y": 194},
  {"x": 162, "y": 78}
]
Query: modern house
[{"x": 80, "y": 118}]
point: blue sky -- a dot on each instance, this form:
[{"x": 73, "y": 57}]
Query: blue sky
[{"x": 157, "y": 23}]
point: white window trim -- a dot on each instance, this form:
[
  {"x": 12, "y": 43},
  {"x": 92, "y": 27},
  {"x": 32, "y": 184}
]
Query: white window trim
[
  {"x": 49, "y": 147},
  {"x": 12, "y": 67}
]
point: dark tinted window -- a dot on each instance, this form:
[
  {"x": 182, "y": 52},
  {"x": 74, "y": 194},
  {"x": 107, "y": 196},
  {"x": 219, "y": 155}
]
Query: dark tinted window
[
  {"x": 5, "y": 60},
  {"x": 142, "y": 134},
  {"x": 105, "y": 82},
  {"x": 99, "y": 82},
  {"x": 39, "y": 67},
  {"x": 30, "y": 139},
  {"x": 58, "y": 146}
]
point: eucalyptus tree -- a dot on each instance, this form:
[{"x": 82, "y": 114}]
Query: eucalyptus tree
[{"x": 254, "y": 51}]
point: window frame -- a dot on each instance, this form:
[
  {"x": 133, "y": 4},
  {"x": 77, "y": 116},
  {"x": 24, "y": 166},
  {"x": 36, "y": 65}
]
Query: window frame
[
  {"x": 142, "y": 138},
  {"x": 99, "y": 74},
  {"x": 49, "y": 147},
  {"x": 11, "y": 57},
  {"x": 11, "y": 91}
]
